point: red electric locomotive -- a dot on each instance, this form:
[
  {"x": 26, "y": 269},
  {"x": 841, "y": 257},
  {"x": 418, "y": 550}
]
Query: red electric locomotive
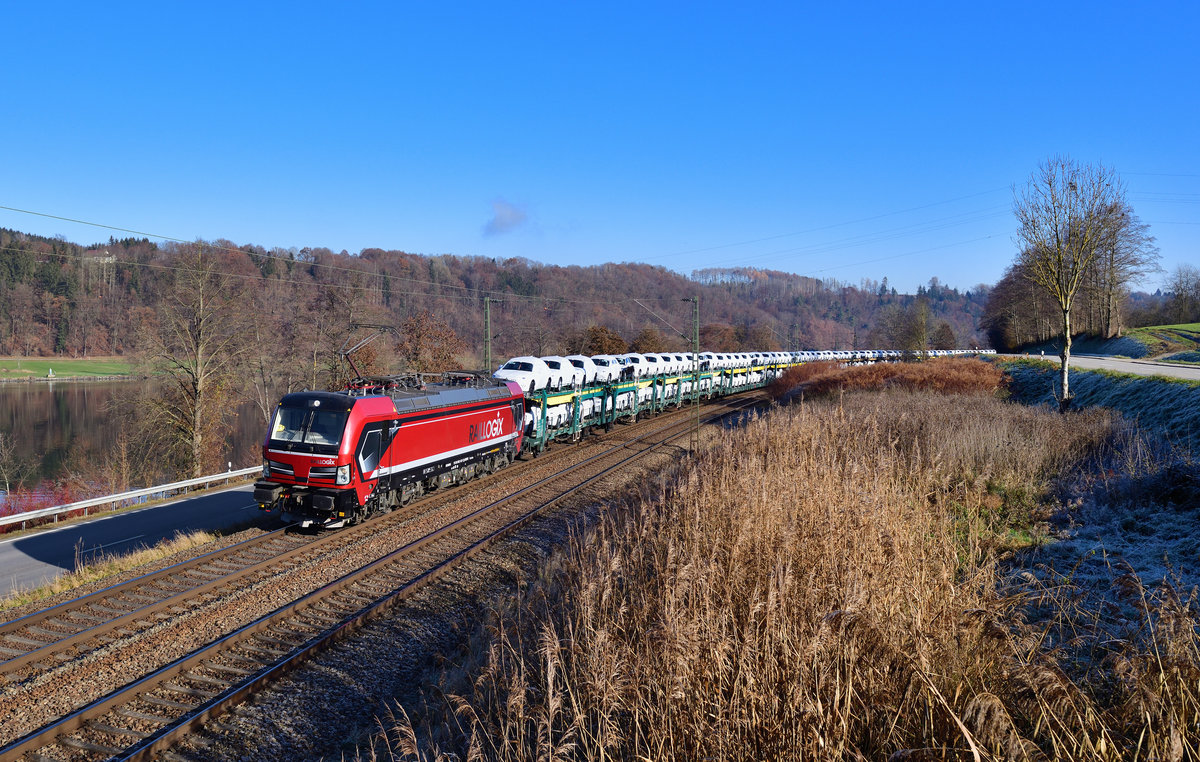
[{"x": 333, "y": 458}]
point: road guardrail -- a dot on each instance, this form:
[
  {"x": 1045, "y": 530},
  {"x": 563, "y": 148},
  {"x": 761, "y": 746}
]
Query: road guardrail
[{"x": 134, "y": 496}]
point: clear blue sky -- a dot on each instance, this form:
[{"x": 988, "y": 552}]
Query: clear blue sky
[{"x": 837, "y": 140}]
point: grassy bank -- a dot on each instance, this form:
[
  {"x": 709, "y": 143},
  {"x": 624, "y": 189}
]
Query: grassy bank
[
  {"x": 16, "y": 368},
  {"x": 1168, "y": 406},
  {"x": 1150, "y": 341},
  {"x": 1183, "y": 358},
  {"x": 828, "y": 585},
  {"x": 1164, "y": 339}
]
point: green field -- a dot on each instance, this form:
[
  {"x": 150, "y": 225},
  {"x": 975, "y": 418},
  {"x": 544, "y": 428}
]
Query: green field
[
  {"x": 1164, "y": 339},
  {"x": 63, "y": 367},
  {"x": 1185, "y": 327}
]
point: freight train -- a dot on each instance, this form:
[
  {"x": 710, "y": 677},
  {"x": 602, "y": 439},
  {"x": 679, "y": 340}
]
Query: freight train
[{"x": 332, "y": 459}]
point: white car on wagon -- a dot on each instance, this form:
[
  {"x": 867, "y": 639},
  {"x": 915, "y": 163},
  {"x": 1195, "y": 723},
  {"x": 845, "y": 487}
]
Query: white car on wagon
[
  {"x": 608, "y": 368},
  {"x": 528, "y": 372},
  {"x": 563, "y": 374}
]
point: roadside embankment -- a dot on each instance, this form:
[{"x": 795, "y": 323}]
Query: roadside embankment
[
  {"x": 1167, "y": 406},
  {"x": 1146, "y": 342}
]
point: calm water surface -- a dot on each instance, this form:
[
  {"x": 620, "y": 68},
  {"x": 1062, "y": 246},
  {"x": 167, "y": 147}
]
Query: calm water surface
[{"x": 56, "y": 424}]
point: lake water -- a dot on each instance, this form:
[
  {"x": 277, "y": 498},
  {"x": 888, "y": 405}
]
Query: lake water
[{"x": 52, "y": 423}]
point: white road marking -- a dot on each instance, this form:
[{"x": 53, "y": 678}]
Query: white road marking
[{"x": 118, "y": 542}]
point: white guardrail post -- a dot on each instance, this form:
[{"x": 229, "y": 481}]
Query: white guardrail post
[{"x": 138, "y": 494}]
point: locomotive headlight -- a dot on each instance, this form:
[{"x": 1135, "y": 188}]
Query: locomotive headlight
[
  {"x": 266, "y": 469},
  {"x": 343, "y": 474}
]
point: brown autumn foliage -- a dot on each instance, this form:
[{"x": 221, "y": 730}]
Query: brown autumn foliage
[
  {"x": 60, "y": 298},
  {"x": 947, "y": 375}
]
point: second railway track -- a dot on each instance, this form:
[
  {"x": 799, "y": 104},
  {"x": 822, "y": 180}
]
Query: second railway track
[{"x": 163, "y": 703}]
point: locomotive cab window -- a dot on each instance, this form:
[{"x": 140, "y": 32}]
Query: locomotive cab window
[{"x": 308, "y": 425}]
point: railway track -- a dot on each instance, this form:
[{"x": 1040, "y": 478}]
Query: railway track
[
  {"x": 152, "y": 712},
  {"x": 48, "y": 638}
]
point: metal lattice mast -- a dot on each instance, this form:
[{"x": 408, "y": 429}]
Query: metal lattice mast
[
  {"x": 487, "y": 334},
  {"x": 696, "y": 375}
]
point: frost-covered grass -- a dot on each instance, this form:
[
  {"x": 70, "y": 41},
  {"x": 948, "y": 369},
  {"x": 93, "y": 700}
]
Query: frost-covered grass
[
  {"x": 1137, "y": 343},
  {"x": 1162, "y": 339},
  {"x": 1167, "y": 406},
  {"x": 1183, "y": 358}
]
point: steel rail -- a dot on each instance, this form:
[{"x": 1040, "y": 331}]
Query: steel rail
[
  {"x": 176, "y": 568},
  {"x": 238, "y": 693},
  {"x": 138, "y": 587},
  {"x": 196, "y": 715}
]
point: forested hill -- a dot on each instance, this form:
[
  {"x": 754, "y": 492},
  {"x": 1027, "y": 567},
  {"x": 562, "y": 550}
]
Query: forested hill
[{"x": 61, "y": 298}]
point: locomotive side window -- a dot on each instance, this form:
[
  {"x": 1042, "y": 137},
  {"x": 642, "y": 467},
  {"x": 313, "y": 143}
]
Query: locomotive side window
[{"x": 368, "y": 452}]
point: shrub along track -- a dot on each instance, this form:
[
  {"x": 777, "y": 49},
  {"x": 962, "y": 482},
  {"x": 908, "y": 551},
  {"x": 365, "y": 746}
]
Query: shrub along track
[{"x": 348, "y": 578}]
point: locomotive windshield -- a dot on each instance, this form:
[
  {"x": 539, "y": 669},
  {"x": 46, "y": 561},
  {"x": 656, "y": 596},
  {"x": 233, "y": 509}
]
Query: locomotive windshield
[{"x": 306, "y": 425}]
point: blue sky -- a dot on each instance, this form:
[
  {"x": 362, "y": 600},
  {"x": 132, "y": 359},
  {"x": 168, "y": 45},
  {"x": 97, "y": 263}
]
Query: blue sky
[{"x": 842, "y": 141}]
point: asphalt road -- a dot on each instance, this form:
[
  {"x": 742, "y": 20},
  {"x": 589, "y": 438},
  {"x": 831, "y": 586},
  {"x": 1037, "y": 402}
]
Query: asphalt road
[
  {"x": 39, "y": 557},
  {"x": 1138, "y": 367}
]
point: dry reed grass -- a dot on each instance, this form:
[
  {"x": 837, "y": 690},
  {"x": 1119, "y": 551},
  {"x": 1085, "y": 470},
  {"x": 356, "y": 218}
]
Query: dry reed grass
[
  {"x": 821, "y": 586},
  {"x": 947, "y": 375}
]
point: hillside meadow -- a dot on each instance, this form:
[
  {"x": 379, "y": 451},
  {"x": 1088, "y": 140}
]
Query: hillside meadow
[{"x": 858, "y": 575}]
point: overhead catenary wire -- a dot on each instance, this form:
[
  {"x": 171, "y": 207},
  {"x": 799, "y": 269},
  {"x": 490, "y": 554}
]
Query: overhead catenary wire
[
  {"x": 829, "y": 226},
  {"x": 475, "y": 294},
  {"x": 745, "y": 259},
  {"x": 866, "y": 239}
]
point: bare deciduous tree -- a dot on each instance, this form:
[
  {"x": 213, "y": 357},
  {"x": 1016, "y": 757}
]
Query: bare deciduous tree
[
  {"x": 1064, "y": 217},
  {"x": 195, "y": 346},
  {"x": 13, "y": 468},
  {"x": 1184, "y": 305},
  {"x": 943, "y": 337},
  {"x": 649, "y": 340},
  {"x": 1127, "y": 254}
]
